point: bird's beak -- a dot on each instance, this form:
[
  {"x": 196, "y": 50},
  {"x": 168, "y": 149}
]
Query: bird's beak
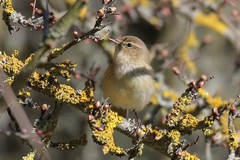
[{"x": 115, "y": 41}]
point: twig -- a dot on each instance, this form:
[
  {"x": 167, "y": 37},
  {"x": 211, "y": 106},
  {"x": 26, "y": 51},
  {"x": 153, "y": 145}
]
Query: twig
[
  {"x": 233, "y": 144},
  {"x": 102, "y": 14},
  {"x": 40, "y": 56},
  {"x": 13, "y": 18},
  {"x": 34, "y": 8},
  {"x": 21, "y": 118},
  {"x": 208, "y": 151},
  {"x": 74, "y": 73},
  {"x": 52, "y": 122},
  {"x": 190, "y": 144}
]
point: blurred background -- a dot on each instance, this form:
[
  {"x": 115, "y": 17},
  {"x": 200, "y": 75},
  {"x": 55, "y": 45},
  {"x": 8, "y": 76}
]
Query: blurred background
[{"x": 197, "y": 37}]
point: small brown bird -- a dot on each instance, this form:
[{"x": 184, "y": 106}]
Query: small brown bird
[{"x": 128, "y": 81}]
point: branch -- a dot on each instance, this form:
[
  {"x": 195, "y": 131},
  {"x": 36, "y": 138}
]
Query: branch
[
  {"x": 104, "y": 121},
  {"x": 233, "y": 144},
  {"x": 102, "y": 14},
  {"x": 21, "y": 118},
  {"x": 14, "y": 19},
  {"x": 40, "y": 56}
]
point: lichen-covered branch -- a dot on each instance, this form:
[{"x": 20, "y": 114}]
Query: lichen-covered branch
[
  {"x": 104, "y": 121},
  {"x": 40, "y": 56},
  {"x": 232, "y": 144},
  {"x": 14, "y": 19},
  {"x": 103, "y": 126}
]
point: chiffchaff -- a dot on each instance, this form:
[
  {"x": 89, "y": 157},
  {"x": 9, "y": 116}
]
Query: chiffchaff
[{"x": 128, "y": 81}]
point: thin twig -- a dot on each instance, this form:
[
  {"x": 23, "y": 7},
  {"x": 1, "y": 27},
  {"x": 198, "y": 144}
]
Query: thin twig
[
  {"x": 21, "y": 118},
  {"x": 40, "y": 56},
  {"x": 34, "y": 9}
]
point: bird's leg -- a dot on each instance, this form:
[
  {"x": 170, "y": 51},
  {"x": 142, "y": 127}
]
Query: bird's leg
[
  {"x": 139, "y": 123},
  {"x": 135, "y": 113}
]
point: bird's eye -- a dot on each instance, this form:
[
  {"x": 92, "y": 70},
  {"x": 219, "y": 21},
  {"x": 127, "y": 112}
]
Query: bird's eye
[{"x": 129, "y": 45}]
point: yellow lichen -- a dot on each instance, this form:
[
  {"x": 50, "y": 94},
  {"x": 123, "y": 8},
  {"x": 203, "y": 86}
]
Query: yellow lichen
[
  {"x": 24, "y": 93},
  {"x": 174, "y": 135},
  {"x": 68, "y": 94},
  {"x": 83, "y": 13},
  {"x": 29, "y": 59},
  {"x": 203, "y": 93},
  {"x": 145, "y": 3},
  {"x": 11, "y": 65},
  {"x": 212, "y": 101},
  {"x": 15, "y": 53},
  {"x": 39, "y": 80},
  {"x": 104, "y": 136},
  {"x": 233, "y": 144},
  {"x": 29, "y": 156},
  {"x": 154, "y": 100},
  {"x": 158, "y": 134},
  {"x": 224, "y": 123},
  {"x": 178, "y": 108},
  {"x": 188, "y": 62},
  {"x": 212, "y": 21},
  {"x": 157, "y": 85},
  {"x": 63, "y": 69},
  {"x": 191, "y": 42},
  {"x": 182, "y": 103},
  {"x": 176, "y": 3},
  {"x": 190, "y": 109},
  {"x": 207, "y": 124},
  {"x": 155, "y": 21},
  {"x": 70, "y": 2},
  {"x": 187, "y": 156},
  {"x": 170, "y": 94},
  {"x": 8, "y": 8},
  {"x": 56, "y": 51},
  {"x": 237, "y": 137},
  {"x": 61, "y": 92},
  {"x": 216, "y": 102},
  {"x": 188, "y": 123}
]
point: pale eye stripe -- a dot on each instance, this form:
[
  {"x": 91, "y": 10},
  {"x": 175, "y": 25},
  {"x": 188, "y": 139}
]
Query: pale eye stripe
[{"x": 137, "y": 45}]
